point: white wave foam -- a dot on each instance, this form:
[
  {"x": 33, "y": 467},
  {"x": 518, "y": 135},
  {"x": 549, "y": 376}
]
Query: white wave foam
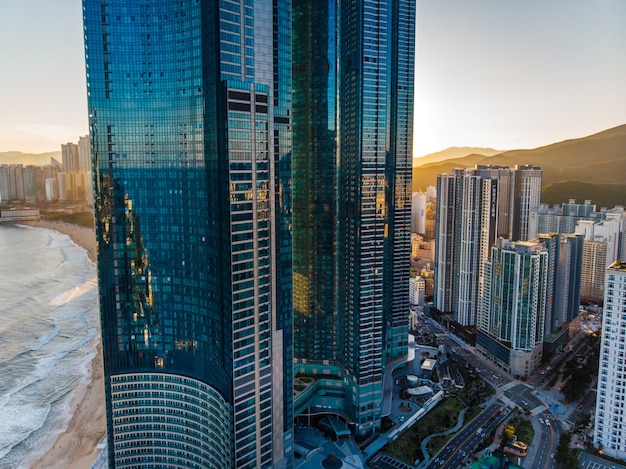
[
  {"x": 43, "y": 369},
  {"x": 46, "y": 338},
  {"x": 73, "y": 293},
  {"x": 17, "y": 422},
  {"x": 45, "y": 365}
]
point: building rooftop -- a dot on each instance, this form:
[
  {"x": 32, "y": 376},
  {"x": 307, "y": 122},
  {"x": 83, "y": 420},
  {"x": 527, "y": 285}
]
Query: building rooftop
[
  {"x": 428, "y": 364},
  {"x": 618, "y": 265}
]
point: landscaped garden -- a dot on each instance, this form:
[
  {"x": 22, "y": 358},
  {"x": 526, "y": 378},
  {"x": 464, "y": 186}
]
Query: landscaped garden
[{"x": 442, "y": 417}]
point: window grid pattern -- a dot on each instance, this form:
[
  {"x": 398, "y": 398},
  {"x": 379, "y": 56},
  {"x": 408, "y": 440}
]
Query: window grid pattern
[
  {"x": 162, "y": 420},
  {"x": 610, "y": 421},
  {"x": 193, "y": 188}
]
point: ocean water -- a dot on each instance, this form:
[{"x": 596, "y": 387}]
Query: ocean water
[{"x": 48, "y": 320}]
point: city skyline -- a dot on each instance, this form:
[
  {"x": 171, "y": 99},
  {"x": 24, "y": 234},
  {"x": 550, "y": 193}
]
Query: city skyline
[
  {"x": 495, "y": 74},
  {"x": 193, "y": 188}
]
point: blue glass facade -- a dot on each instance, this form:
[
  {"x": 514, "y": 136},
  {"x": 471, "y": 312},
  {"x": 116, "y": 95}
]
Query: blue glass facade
[
  {"x": 399, "y": 173},
  {"x": 315, "y": 180},
  {"x": 353, "y": 98},
  {"x": 189, "y": 108},
  {"x": 518, "y": 277}
]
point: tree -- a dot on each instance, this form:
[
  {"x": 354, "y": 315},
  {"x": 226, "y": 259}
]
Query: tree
[
  {"x": 563, "y": 454},
  {"x": 508, "y": 432}
]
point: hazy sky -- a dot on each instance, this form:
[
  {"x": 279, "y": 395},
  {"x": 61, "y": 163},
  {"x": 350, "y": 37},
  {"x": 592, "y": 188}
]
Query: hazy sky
[
  {"x": 517, "y": 73},
  {"x": 500, "y": 73},
  {"x": 43, "y": 100}
]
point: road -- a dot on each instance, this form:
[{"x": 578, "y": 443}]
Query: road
[
  {"x": 545, "y": 442},
  {"x": 469, "y": 437}
]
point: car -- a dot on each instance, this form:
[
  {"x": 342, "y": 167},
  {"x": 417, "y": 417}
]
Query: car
[
  {"x": 547, "y": 423},
  {"x": 541, "y": 421}
]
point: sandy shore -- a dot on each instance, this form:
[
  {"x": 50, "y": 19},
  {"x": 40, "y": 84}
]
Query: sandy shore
[{"x": 76, "y": 447}]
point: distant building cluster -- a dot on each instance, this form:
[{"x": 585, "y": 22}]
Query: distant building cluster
[
  {"x": 604, "y": 235},
  {"x": 67, "y": 181},
  {"x": 509, "y": 271}
]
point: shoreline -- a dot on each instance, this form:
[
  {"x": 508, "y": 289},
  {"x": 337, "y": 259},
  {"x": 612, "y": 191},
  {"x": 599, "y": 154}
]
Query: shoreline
[{"x": 76, "y": 447}]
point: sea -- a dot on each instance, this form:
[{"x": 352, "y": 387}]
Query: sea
[{"x": 48, "y": 320}]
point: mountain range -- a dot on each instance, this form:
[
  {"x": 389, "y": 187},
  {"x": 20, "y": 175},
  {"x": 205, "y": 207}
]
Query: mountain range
[
  {"x": 454, "y": 152},
  {"x": 588, "y": 168},
  {"x": 37, "y": 159}
]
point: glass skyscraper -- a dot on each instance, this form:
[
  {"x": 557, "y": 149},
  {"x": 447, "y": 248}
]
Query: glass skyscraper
[
  {"x": 518, "y": 277},
  {"x": 353, "y": 98},
  {"x": 189, "y": 105}
]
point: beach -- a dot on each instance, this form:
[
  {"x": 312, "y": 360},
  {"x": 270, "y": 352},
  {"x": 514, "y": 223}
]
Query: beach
[{"x": 77, "y": 446}]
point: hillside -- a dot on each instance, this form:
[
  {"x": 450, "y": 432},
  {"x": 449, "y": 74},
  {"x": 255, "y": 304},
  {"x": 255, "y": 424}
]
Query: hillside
[
  {"x": 603, "y": 195},
  {"x": 38, "y": 159},
  {"x": 599, "y": 158},
  {"x": 453, "y": 152}
]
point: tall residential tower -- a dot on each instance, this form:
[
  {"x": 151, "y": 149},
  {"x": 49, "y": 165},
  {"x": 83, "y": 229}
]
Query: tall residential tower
[
  {"x": 189, "y": 104},
  {"x": 353, "y": 98},
  {"x": 610, "y": 423},
  {"x": 517, "y": 274},
  {"x": 476, "y": 206}
]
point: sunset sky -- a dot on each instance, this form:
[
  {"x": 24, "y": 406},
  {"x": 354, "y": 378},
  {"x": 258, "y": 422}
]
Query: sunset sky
[{"x": 499, "y": 73}]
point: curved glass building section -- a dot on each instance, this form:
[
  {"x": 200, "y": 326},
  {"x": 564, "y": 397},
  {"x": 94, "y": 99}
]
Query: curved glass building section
[
  {"x": 163, "y": 420},
  {"x": 189, "y": 118}
]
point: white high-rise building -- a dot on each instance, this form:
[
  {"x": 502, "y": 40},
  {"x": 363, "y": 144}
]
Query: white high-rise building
[
  {"x": 445, "y": 238},
  {"x": 610, "y": 424},
  {"x": 526, "y": 203},
  {"x": 70, "y": 157},
  {"x": 84, "y": 153},
  {"x": 52, "y": 189},
  {"x": 418, "y": 213},
  {"x": 602, "y": 248},
  {"x": 476, "y": 206},
  {"x": 417, "y": 290}
]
